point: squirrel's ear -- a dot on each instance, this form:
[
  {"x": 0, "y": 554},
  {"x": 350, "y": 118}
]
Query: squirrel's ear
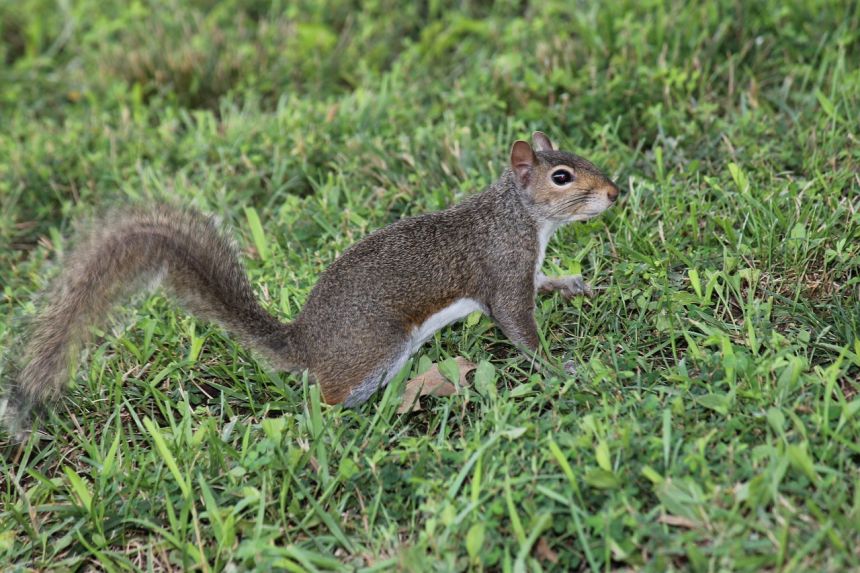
[
  {"x": 541, "y": 141},
  {"x": 522, "y": 160}
]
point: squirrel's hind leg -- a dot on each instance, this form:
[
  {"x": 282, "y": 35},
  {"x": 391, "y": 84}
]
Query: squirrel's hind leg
[{"x": 378, "y": 378}]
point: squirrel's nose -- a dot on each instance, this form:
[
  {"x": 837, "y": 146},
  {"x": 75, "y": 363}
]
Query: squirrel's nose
[{"x": 612, "y": 192}]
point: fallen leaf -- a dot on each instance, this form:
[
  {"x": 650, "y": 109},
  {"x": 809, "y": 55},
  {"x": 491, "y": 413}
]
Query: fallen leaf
[
  {"x": 332, "y": 113},
  {"x": 678, "y": 521},
  {"x": 432, "y": 383},
  {"x": 544, "y": 552}
]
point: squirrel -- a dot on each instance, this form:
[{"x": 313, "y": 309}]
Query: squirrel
[{"x": 370, "y": 310}]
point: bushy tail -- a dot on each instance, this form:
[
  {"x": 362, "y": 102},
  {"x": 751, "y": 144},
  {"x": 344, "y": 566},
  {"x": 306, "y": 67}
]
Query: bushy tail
[{"x": 119, "y": 255}]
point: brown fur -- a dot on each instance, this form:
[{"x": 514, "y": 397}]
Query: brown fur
[{"x": 360, "y": 319}]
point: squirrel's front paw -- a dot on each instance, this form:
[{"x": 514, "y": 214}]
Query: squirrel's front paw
[
  {"x": 568, "y": 287},
  {"x": 572, "y": 286}
]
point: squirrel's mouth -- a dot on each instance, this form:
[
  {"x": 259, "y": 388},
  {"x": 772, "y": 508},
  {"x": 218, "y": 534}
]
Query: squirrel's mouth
[
  {"x": 591, "y": 210},
  {"x": 581, "y": 216},
  {"x": 597, "y": 204}
]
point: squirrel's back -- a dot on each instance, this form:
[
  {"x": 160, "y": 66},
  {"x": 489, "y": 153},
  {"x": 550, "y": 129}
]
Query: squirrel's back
[{"x": 424, "y": 260}]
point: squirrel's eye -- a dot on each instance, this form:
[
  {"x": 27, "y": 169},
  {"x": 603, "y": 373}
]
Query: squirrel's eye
[{"x": 562, "y": 177}]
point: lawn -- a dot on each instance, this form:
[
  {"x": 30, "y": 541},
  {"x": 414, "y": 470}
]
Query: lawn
[{"x": 714, "y": 420}]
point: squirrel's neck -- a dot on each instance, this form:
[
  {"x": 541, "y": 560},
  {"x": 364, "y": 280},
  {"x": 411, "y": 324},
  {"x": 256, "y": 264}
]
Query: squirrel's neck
[{"x": 514, "y": 197}]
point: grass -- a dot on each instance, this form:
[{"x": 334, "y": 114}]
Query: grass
[{"x": 714, "y": 424}]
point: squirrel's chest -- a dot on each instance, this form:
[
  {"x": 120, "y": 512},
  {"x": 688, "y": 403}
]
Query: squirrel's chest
[{"x": 544, "y": 234}]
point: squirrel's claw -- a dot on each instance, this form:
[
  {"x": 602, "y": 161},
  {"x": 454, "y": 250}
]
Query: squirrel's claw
[
  {"x": 568, "y": 287},
  {"x": 575, "y": 286},
  {"x": 580, "y": 287}
]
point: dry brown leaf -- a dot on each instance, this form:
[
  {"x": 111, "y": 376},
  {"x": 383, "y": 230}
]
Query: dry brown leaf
[
  {"x": 544, "y": 552},
  {"x": 432, "y": 383},
  {"x": 678, "y": 521},
  {"x": 332, "y": 113}
]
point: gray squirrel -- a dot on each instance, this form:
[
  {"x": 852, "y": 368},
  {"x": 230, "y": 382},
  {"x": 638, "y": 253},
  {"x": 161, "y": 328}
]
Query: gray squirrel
[{"x": 369, "y": 311}]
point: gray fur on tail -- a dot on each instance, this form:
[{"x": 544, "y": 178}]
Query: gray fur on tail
[{"x": 119, "y": 255}]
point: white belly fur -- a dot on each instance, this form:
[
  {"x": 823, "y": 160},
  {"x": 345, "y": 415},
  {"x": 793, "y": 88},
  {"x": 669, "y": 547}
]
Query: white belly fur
[{"x": 460, "y": 308}]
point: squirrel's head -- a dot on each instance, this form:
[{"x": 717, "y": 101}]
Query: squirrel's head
[{"x": 562, "y": 187}]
